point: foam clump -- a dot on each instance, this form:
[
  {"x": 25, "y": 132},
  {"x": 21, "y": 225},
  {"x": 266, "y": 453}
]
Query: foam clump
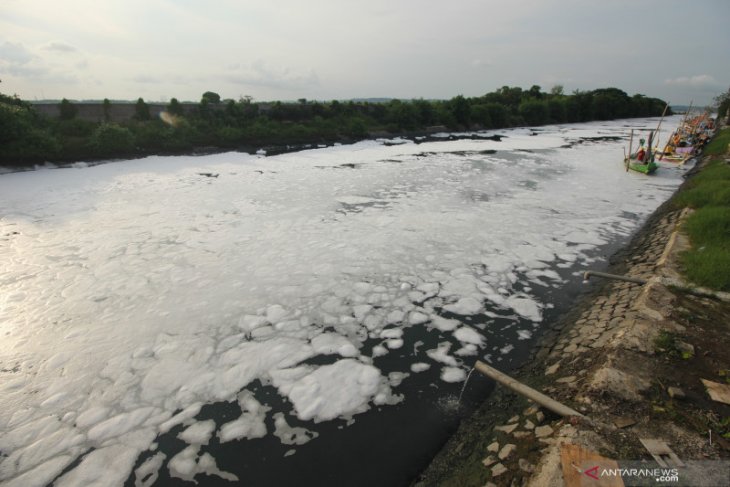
[
  {"x": 189, "y": 463},
  {"x": 341, "y": 389},
  {"x": 289, "y": 435},
  {"x": 452, "y": 374},
  {"x": 465, "y": 306},
  {"x": 250, "y": 424},
  {"x": 198, "y": 433}
]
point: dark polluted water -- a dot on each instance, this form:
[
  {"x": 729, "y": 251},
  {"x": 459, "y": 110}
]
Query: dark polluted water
[
  {"x": 303, "y": 319},
  {"x": 385, "y": 446}
]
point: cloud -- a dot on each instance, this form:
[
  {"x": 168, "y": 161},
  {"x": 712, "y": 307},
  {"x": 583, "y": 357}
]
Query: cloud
[
  {"x": 697, "y": 81},
  {"x": 480, "y": 63},
  {"x": 58, "y": 46},
  {"x": 15, "y": 54},
  {"x": 259, "y": 73},
  {"x": 147, "y": 79},
  {"x": 21, "y": 62}
]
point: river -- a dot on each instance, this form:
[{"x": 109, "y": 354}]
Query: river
[{"x": 302, "y": 319}]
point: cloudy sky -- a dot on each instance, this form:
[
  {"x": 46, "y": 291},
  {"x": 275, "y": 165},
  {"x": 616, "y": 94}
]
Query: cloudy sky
[{"x": 339, "y": 49}]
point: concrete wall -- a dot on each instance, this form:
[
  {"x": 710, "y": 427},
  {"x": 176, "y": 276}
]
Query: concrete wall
[{"x": 118, "y": 112}]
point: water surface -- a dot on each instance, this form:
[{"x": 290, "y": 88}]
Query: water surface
[{"x": 307, "y": 318}]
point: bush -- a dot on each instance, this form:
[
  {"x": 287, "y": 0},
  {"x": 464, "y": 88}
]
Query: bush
[
  {"x": 110, "y": 139},
  {"x": 480, "y": 115},
  {"x": 75, "y": 128},
  {"x": 229, "y": 136},
  {"x": 557, "y": 110},
  {"x": 23, "y": 138},
  {"x": 357, "y": 128},
  {"x": 498, "y": 114},
  {"x": 14, "y": 123},
  {"x": 534, "y": 112},
  {"x": 68, "y": 110},
  {"x": 35, "y": 145}
]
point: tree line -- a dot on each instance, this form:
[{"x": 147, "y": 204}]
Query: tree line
[{"x": 27, "y": 136}]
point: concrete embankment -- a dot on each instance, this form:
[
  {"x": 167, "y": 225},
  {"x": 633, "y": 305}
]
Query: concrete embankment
[{"x": 632, "y": 358}]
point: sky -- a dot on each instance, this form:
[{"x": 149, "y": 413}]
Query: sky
[{"x": 342, "y": 49}]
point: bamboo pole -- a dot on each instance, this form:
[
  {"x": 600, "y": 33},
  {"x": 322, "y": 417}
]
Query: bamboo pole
[
  {"x": 528, "y": 392},
  {"x": 606, "y": 275},
  {"x": 666, "y": 107},
  {"x": 647, "y": 157},
  {"x": 627, "y": 160},
  {"x": 662, "y": 119}
]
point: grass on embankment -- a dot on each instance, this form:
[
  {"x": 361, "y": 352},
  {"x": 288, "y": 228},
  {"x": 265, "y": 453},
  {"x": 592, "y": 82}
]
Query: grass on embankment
[{"x": 708, "y": 262}]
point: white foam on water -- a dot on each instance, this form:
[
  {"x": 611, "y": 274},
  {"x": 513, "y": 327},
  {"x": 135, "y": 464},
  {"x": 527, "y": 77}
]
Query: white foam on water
[
  {"x": 134, "y": 293},
  {"x": 198, "y": 433},
  {"x": 250, "y": 424},
  {"x": 330, "y": 391},
  {"x": 467, "y": 335},
  {"x": 420, "y": 367},
  {"x": 289, "y": 435},
  {"x": 441, "y": 354},
  {"x": 146, "y": 474},
  {"x": 453, "y": 374},
  {"x": 115, "y": 462}
]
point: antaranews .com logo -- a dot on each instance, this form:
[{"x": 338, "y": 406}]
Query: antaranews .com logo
[
  {"x": 704, "y": 473},
  {"x": 658, "y": 474}
]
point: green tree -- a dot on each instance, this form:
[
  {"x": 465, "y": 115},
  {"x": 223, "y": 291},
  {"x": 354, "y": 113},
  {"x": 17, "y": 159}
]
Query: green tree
[
  {"x": 401, "y": 115},
  {"x": 22, "y": 137},
  {"x": 107, "y": 107},
  {"x": 557, "y": 110},
  {"x": 510, "y": 96},
  {"x": 722, "y": 102},
  {"x": 13, "y": 123},
  {"x": 174, "y": 107},
  {"x": 498, "y": 114},
  {"x": 610, "y": 103},
  {"x": 533, "y": 111},
  {"x": 210, "y": 97},
  {"x": 141, "y": 110},
  {"x": 480, "y": 115},
  {"x": 357, "y": 128},
  {"x": 335, "y": 107},
  {"x": 425, "y": 112},
  {"x": 461, "y": 109},
  {"x": 556, "y": 90},
  {"x": 535, "y": 92},
  {"x": 580, "y": 106},
  {"x": 68, "y": 110}
]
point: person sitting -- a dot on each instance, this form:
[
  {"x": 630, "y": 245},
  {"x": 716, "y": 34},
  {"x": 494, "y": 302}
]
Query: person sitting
[{"x": 641, "y": 154}]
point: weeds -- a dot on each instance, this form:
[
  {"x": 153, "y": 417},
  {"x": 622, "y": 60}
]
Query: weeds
[
  {"x": 707, "y": 263},
  {"x": 719, "y": 144}
]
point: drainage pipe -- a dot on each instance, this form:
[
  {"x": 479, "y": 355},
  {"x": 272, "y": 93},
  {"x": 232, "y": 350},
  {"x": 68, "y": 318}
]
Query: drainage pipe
[
  {"x": 635, "y": 280},
  {"x": 528, "y": 392}
]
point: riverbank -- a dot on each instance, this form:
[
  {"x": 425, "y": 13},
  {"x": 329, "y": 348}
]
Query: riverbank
[
  {"x": 433, "y": 134},
  {"x": 214, "y": 125},
  {"x": 631, "y": 358}
]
